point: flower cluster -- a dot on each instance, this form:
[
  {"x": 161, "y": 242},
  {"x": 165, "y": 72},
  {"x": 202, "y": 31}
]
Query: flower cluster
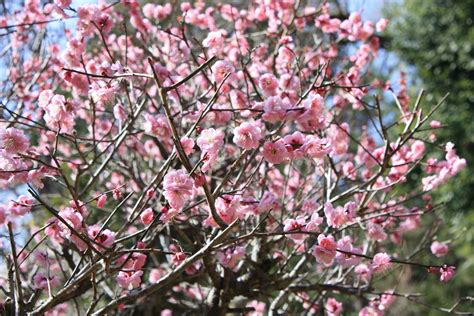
[{"x": 212, "y": 158}]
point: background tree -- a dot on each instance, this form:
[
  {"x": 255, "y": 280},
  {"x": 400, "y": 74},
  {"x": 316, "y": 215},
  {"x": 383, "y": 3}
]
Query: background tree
[{"x": 437, "y": 39}]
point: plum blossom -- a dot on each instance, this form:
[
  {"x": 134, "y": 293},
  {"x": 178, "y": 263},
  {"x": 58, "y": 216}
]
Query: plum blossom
[
  {"x": 104, "y": 237},
  {"x": 439, "y": 249},
  {"x": 294, "y": 144},
  {"x": 444, "y": 170},
  {"x": 73, "y": 218},
  {"x": 155, "y": 275},
  {"x": 447, "y": 273},
  {"x": 135, "y": 262},
  {"x": 376, "y": 232},
  {"x": 333, "y": 307},
  {"x": 188, "y": 145},
  {"x": 215, "y": 39},
  {"x": 364, "y": 271},
  {"x": 344, "y": 256},
  {"x": 267, "y": 203},
  {"x": 63, "y": 4},
  {"x": 247, "y": 135},
  {"x": 316, "y": 147},
  {"x": 297, "y": 224},
  {"x": 156, "y": 125},
  {"x": 41, "y": 281},
  {"x": 313, "y": 224},
  {"x": 129, "y": 280},
  {"x": 59, "y": 112},
  {"x": 21, "y": 206},
  {"x": 380, "y": 262},
  {"x": 275, "y": 109},
  {"x": 325, "y": 251},
  {"x": 220, "y": 69},
  {"x": 178, "y": 188},
  {"x": 13, "y": 140},
  {"x": 336, "y": 217},
  {"x": 210, "y": 141},
  {"x": 269, "y": 84},
  {"x": 274, "y": 152},
  {"x": 381, "y": 25},
  {"x": 230, "y": 257},
  {"x": 370, "y": 311}
]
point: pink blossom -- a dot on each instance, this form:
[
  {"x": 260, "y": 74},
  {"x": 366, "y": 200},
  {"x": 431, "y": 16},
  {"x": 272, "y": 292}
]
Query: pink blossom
[
  {"x": 363, "y": 271},
  {"x": 447, "y": 273},
  {"x": 439, "y": 249},
  {"x": 247, "y": 135},
  {"x": 275, "y": 109},
  {"x": 21, "y": 206},
  {"x": 178, "y": 257},
  {"x": 259, "y": 308},
  {"x": 227, "y": 208},
  {"x": 155, "y": 275},
  {"x": 294, "y": 144},
  {"x": 316, "y": 147},
  {"x": 370, "y": 311},
  {"x": 313, "y": 116},
  {"x": 269, "y": 84},
  {"x": 220, "y": 69},
  {"x": 35, "y": 177},
  {"x": 230, "y": 257},
  {"x": 325, "y": 251},
  {"x": 267, "y": 203},
  {"x": 129, "y": 280},
  {"x": 41, "y": 281},
  {"x": 380, "y": 262},
  {"x": 178, "y": 187},
  {"x": 157, "y": 125},
  {"x": 210, "y": 140},
  {"x": 336, "y": 217},
  {"x": 381, "y": 25},
  {"x": 327, "y": 24},
  {"x": 188, "y": 145},
  {"x": 376, "y": 232},
  {"x": 147, "y": 216},
  {"x": 214, "y": 39},
  {"x": 297, "y": 224},
  {"x": 63, "y": 4},
  {"x": 104, "y": 237},
  {"x": 333, "y": 307},
  {"x": 73, "y": 218},
  {"x": 344, "y": 257},
  {"x": 59, "y": 112},
  {"x": 416, "y": 151},
  {"x": 313, "y": 224},
  {"x": 120, "y": 113},
  {"x": 339, "y": 138},
  {"x": 13, "y": 140},
  {"x": 274, "y": 152},
  {"x": 135, "y": 262}
]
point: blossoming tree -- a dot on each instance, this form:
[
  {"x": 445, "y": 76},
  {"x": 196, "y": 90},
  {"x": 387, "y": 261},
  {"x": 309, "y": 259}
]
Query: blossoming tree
[{"x": 196, "y": 158}]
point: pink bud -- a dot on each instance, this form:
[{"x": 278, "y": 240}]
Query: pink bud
[
  {"x": 150, "y": 193},
  {"x": 101, "y": 201},
  {"x": 147, "y": 216},
  {"x": 439, "y": 249}
]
